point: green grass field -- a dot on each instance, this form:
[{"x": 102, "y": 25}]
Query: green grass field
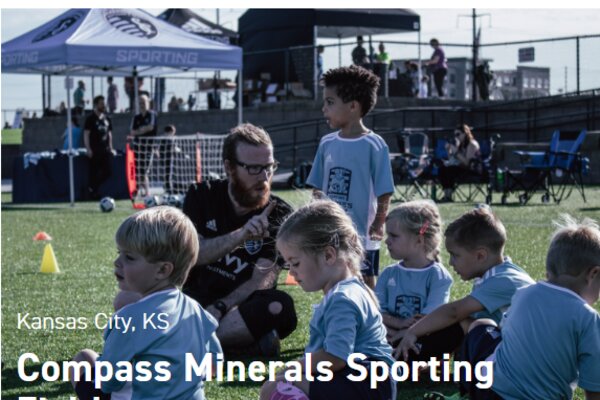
[
  {"x": 84, "y": 247},
  {"x": 12, "y": 136}
]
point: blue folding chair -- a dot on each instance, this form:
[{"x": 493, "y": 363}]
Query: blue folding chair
[
  {"x": 410, "y": 167},
  {"x": 556, "y": 171}
]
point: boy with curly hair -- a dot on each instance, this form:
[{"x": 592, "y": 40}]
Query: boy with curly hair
[{"x": 352, "y": 164}]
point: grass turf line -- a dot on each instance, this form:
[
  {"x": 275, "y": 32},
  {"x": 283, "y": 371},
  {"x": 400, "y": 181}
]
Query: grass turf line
[{"x": 83, "y": 241}]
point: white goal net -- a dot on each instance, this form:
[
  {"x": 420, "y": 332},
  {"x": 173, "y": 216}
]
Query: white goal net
[{"x": 167, "y": 165}]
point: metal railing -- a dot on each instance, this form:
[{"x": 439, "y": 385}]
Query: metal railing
[{"x": 297, "y": 141}]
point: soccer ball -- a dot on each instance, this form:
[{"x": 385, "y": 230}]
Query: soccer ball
[
  {"x": 174, "y": 200},
  {"x": 151, "y": 201},
  {"x": 107, "y": 204}
]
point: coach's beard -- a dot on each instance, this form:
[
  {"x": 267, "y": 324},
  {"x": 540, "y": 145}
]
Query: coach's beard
[{"x": 249, "y": 197}]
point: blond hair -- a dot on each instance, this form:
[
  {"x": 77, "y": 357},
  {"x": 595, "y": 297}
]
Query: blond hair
[
  {"x": 324, "y": 223},
  {"x": 575, "y": 246},
  {"x": 422, "y": 218},
  {"x": 162, "y": 234}
]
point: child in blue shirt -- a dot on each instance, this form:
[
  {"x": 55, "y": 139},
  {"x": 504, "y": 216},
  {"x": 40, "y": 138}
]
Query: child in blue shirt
[
  {"x": 352, "y": 165},
  {"x": 324, "y": 251},
  {"x": 418, "y": 283},
  {"x": 550, "y": 338},
  {"x": 156, "y": 247},
  {"x": 475, "y": 242}
]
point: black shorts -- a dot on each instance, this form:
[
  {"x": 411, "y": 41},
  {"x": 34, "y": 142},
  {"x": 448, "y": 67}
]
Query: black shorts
[
  {"x": 340, "y": 387},
  {"x": 478, "y": 345},
  {"x": 260, "y": 321},
  {"x": 85, "y": 390},
  {"x": 370, "y": 264}
]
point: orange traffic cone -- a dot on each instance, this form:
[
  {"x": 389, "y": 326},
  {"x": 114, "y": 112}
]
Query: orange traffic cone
[
  {"x": 290, "y": 280},
  {"x": 41, "y": 235},
  {"x": 49, "y": 264}
]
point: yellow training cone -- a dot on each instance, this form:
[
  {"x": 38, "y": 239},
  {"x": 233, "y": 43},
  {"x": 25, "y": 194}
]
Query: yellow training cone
[{"x": 49, "y": 264}]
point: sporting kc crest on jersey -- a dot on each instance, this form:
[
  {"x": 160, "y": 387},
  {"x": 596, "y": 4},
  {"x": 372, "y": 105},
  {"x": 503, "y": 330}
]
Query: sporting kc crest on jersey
[
  {"x": 407, "y": 306},
  {"x": 253, "y": 246}
]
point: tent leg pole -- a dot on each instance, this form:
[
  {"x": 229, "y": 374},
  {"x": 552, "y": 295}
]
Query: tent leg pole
[
  {"x": 240, "y": 98},
  {"x": 136, "y": 91},
  {"x": 420, "y": 72},
  {"x": 70, "y": 133},
  {"x": 315, "y": 55},
  {"x": 339, "y": 50}
]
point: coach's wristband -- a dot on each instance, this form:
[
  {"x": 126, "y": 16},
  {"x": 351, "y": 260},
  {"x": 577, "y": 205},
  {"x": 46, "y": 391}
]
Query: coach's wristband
[{"x": 221, "y": 306}]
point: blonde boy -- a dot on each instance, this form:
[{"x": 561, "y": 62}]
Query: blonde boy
[{"x": 156, "y": 249}]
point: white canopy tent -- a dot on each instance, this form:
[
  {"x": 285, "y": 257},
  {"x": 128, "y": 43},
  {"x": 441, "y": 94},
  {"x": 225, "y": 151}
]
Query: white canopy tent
[{"x": 117, "y": 42}]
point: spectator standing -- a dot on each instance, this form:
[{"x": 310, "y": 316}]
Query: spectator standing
[
  {"x": 112, "y": 97},
  {"x": 383, "y": 57},
  {"x": 359, "y": 54},
  {"x": 167, "y": 147},
  {"x": 143, "y": 125},
  {"x": 191, "y": 102},
  {"x": 97, "y": 138},
  {"x": 129, "y": 90},
  {"x": 483, "y": 77},
  {"x": 320, "y": 51},
  {"x": 438, "y": 66},
  {"x": 79, "y": 99}
]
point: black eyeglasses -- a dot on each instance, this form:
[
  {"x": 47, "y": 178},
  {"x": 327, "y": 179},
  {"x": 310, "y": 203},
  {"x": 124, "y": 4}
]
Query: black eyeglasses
[{"x": 258, "y": 169}]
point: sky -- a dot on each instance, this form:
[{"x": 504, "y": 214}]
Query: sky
[{"x": 451, "y": 26}]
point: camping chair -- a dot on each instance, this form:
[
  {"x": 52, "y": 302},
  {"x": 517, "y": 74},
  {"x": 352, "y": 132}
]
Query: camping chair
[
  {"x": 555, "y": 172},
  {"x": 410, "y": 166}
]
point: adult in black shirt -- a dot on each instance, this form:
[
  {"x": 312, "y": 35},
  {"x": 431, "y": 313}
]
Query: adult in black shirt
[
  {"x": 237, "y": 221},
  {"x": 143, "y": 125},
  {"x": 97, "y": 138},
  {"x": 359, "y": 53}
]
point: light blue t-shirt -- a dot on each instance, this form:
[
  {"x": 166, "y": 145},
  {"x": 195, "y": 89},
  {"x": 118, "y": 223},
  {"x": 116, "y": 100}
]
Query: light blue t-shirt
[
  {"x": 188, "y": 329},
  {"x": 353, "y": 173},
  {"x": 496, "y": 288},
  {"x": 550, "y": 343},
  {"x": 348, "y": 321},
  {"x": 404, "y": 292}
]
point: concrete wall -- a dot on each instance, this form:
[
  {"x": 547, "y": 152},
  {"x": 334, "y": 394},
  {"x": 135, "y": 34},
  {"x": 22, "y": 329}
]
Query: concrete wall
[{"x": 44, "y": 134}]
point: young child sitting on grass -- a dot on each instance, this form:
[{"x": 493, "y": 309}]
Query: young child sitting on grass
[
  {"x": 418, "y": 283},
  {"x": 156, "y": 249},
  {"x": 550, "y": 337},
  {"x": 323, "y": 250},
  {"x": 475, "y": 242}
]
